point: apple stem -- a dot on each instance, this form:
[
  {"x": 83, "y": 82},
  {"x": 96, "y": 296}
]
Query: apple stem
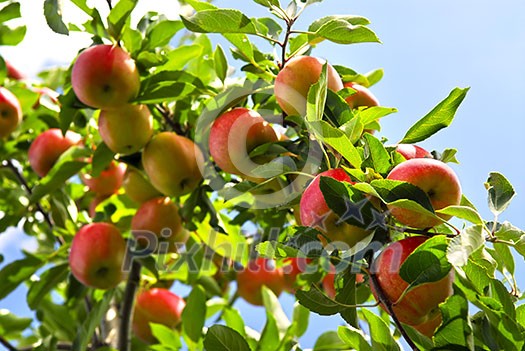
[
  {"x": 124, "y": 340},
  {"x": 9, "y": 164},
  {"x": 109, "y": 5},
  {"x": 388, "y": 305}
]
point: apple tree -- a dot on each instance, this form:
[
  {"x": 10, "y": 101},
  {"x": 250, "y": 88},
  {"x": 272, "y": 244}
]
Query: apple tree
[{"x": 241, "y": 172}]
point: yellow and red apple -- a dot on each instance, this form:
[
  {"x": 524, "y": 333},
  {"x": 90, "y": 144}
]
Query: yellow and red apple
[{"x": 10, "y": 112}]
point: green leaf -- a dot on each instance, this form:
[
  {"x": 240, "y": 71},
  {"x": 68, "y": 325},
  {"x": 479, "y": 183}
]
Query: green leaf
[
  {"x": 11, "y": 11},
  {"x": 16, "y": 272},
  {"x": 376, "y": 156},
  {"x": 317, "y": 302},
  {"x": 219, "y": 21},
  {"x": 374, "y": 113},
  {"x": 221, "y": 64},
  {"x": 440, "y": 117},
  {"x": 300, "y": 319},
  {"x": 222, "y": 338},
  {"x": 355, "y": 20},
  {"x": 500, "y": 192},
  {"x": 455, "y": 332},
  {"x": 397, "y": 193},
  {"x": 462, "y": 246},
  {"x": 268, "y": 3},
  {"x": 160, "y": 34},
  {"x": 274, "y": 310},
  {"x": 462, "y": 212},
  {"x": 11, "y": 325},
  {"x": 382, "y": 339},
  {"x": 234, "y": 320},
  {"x": 119, "y": 16},
  {"x": 194, "y": 313},
  {"x": 102, "y": 158},
  {"x": 47, "y": 282},
  {"x": 329, "y": 341},
  {"x": 200, "y": 5},
  {"x": 341, "y": 31},
  {"x": 520, "y": 315},
  {"x": 337, "y": 139},
  {"x": 316, "y": 98},
  {"x": 427, "y": 263},
  {"x": 92, "y": 321},
  {"x": 12, "y": 36},
  {"x": 355, "y": 338},
  {"x": 167, "y": 337},
  {"x": 506, "y": 231},
  {"x": 53, "y": 14}
]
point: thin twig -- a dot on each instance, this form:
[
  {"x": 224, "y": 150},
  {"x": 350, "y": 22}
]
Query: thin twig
[
  {"x": 124, "y": 339},
  {"x": 109, "y": 5},
  {"x": 388, "y": 305},
  {"x": 7, "y": 344},
  {"x": 176, "y": 127}
]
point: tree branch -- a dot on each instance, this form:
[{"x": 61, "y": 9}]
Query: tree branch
[
  {"x": 176, "y": 127},
  {"x": 124, "y": 339},
  {"x": 7, "y": 344},
  {"x": 388, "y": 305}
]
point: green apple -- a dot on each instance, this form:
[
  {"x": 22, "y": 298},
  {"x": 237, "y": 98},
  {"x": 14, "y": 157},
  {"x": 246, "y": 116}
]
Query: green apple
[
  {"x": 159, "y": 306},
  {"x": 10, "y": 113},
  {"x": 160, "y": 216},
  {"x": 436, "y": 179},
  {"x": 234, "y": 135},
  {"x": 127, "y": 129},
  {"x": 316, "y": 213},
  {"x": 419, "y": 305},
  {"x": 173, "y": 164},
  {"x": 105, "y": 76},
  {"x": 296, "y": 78},
  {"x": 47, "y": 148},
  {"x": 137, "y": 187},
  {"x": 259, "y": 272},
  {"x": 97, "y": 254}
]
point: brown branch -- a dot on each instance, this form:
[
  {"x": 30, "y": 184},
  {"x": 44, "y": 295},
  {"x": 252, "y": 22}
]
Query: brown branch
[
  {"x": 7, "y": 344},
  {"x": 124, "y": 336},
  {"x": 176, "y": 127}
]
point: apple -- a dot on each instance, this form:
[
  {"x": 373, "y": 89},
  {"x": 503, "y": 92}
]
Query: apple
[
  {"x": 410, "y": 151},
  {"x": 109, "y": 180},
  {"x": 296, "y": 78},
  {"x": 420, "y": 304},
  {"x": 436, "y": 179},
  {"x": 429, "y": 328},
  {"x": 127, "y": 129},
  {"x": 47, "y": 148},
  {"x": 173, "y": 164},
  {"x": 315, "y": 212},
  {"x": 259, "y": 272},
  {"x": 137, "y": 187},
  {"x": 159, "y": 306},
  {"x": 234, "y": 134},
  {"x": 328, "y": 282},
  {"x": 10, "y": 112},
  {"x": 160, "y": 216},
  {"x": 292, "y": 267},
  {"x": 362, "y": 96},
  {"x": 96, "y": 256},
  {"x": 105, "y": 76},
  {"x": 94, "y": 203},
  {"x": 13, "y": 72}
]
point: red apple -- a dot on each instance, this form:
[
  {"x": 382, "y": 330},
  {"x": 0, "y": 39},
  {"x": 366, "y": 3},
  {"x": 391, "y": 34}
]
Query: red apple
[
  {"x": 137, "y": 187},
  {"x": 96, "y": 256},
  {"x": 292, "y": 267},
  {"x": 47, "y": 148},
  {"x": 257, "y": 273},
  {"x": 410, "y": 151},
  {"x": 105, "y": 76},
  {"x": 316, "y": 213},
  {"x": 173, "y": 164},
  {"x": 296, "y": 78},
  {"x": 94, "y": 203},
  {"x": 109, "y": 180},
  {"x": 234, "y": 135},
  {"x": 160, "y": 216},
  {"x": 436, "y": 179},
  {"x": 127, "y": 129},
  {"x": 362, "y": 96},
  {"x": 429, "y": 328},
  {"x": 158, "y": 306},
  {"x": 420, "y": 304},
  {"x": 13, "y": 72},
  {"x": 10, "y": 113}
]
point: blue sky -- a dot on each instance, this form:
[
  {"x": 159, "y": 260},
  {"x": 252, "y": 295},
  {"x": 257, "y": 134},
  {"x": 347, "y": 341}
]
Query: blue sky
[{"x": 429, "y": 47}]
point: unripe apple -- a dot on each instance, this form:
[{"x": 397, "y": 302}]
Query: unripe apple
[
  {"x": 137, "y": 187},
  {"x": 159, "y": 306},
  {"x": 410, "y": 151},
  {"x": 420, "y": 304},
  {"x": 47, "y": 148},
  {"x": 362, "y": 96},
  {"x": 173, "y": 163},
  {"x": 259, "y": 272},
  {"x": 105, "y": 76},
  {"x": 234, "y": 135},
  {"x": 13, "y": 72},
  {"x": 10, "y": 112},
  {"x": 127, "y": 129},
  {"x": 296, "y": 78},
  {"x": 109, "y": 180},
  {"x": 436, "y": 179},
  {"x": 315, "y": 212},
  {"x": 161, "y": 217},
  {"x": 96, "y": 256}
]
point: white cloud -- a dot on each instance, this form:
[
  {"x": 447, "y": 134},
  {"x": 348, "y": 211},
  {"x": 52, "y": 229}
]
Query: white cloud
[{"x": 13, "y": 240}]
